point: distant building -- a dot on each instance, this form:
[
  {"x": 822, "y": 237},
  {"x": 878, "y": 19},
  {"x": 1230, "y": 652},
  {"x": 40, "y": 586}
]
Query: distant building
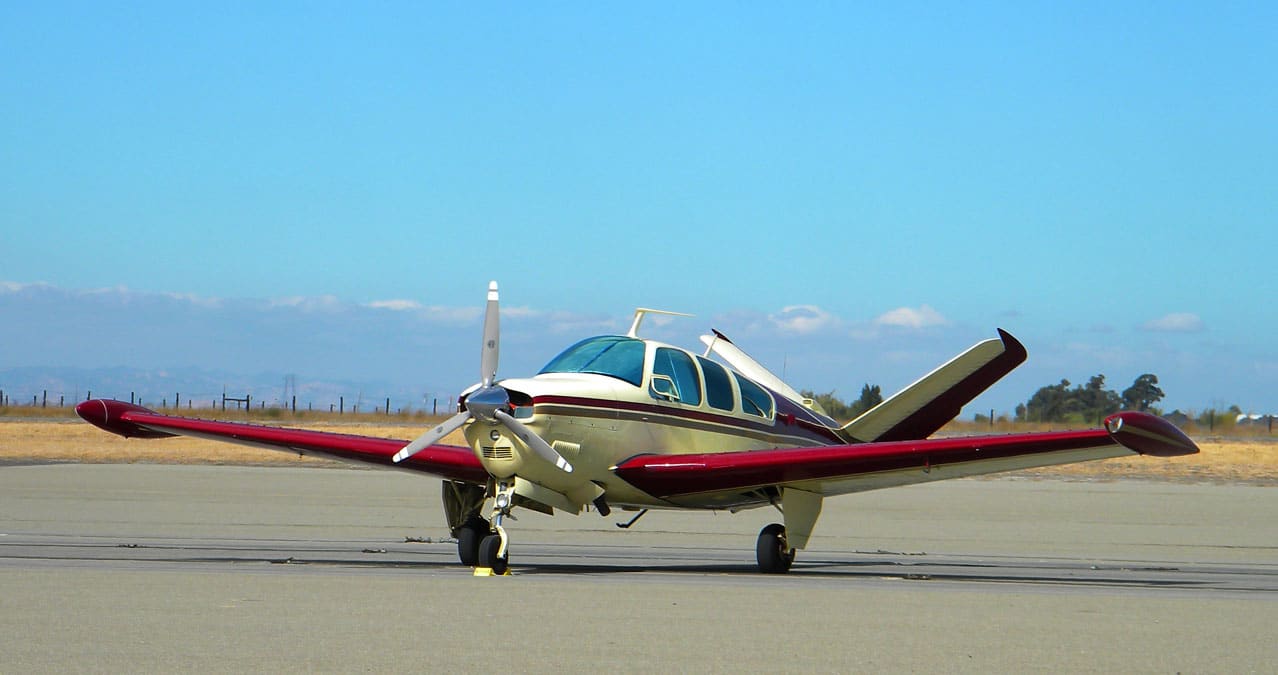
[
  {"x": 1178, "y": 418},
  {"x": 1248, "y": 420}
]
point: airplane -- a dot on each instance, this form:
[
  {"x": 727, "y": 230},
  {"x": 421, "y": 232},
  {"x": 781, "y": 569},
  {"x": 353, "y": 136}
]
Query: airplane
[{"x": 624, "y": 422}]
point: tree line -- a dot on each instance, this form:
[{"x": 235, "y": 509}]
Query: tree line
[
  {"x": 1089, "y": 402},
  {"x": 1061, "y": 402},
  {"x": 871, "y": 395}
]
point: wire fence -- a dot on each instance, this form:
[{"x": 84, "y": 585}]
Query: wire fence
[{"x": 247, "y": 402}]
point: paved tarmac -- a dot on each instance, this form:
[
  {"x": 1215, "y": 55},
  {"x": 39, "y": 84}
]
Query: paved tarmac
[{"x": 114, "y": 568}]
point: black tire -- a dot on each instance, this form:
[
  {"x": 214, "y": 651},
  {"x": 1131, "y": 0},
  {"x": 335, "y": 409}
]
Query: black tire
[
  {"x": 772, "y": 551},
  {"x": 488, "y": 549},
  {"x": 468, "y": 539}
]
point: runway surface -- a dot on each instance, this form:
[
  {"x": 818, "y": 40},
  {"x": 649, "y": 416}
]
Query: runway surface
[{"x": 116, "y": 567}]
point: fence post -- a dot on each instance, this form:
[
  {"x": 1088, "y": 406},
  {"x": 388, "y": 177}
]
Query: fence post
[
  {"x": 248, "y": 403},
  {"x": 44, "y": 402},
  {"x": 388, "y": 405},
  {"x": 341, "y": 405},
  {"x": 294, "y": 404},
  {"x": 434, "y": 406}
]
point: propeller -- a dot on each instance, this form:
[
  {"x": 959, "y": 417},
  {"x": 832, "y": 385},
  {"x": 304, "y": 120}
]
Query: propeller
[{"x": 490, "y": 402}]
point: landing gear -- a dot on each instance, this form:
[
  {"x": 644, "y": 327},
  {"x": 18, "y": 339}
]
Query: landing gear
[
  {"x": 490, "y": 555},
  {"x": 469, "y": 536},
  {"x": 774, "y": 554},
  {"x": 492, "y": 552}
]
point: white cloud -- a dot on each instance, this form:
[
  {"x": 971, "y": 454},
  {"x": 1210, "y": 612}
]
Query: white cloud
[
  {"x": 908, "y": 317},
  {"x": 520, "y": 312},
  {"x": 1177, "y": 322},
  {"x": 452, "y": 314},
  {"x": 194, "y": 299},
  {"x": 801, "y": 319},
  {"x": 395, "y": 305},
  {"x": 308, "y": 303},
  {"x": 18, "y": 287}
]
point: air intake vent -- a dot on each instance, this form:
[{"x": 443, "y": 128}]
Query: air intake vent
[{"x": 498, "y": 452}]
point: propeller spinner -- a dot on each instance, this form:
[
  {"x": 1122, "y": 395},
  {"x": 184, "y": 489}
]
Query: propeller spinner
[{"x": 489, "y": 403}]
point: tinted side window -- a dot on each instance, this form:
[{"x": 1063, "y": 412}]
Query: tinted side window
[
  {"x": 677, "y": 366},
  {"x": 754, "y": 399},
  {"x": 718, "y": 387}
]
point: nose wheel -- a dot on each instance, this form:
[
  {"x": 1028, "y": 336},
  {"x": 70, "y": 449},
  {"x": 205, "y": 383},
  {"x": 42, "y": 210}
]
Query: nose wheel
[
  {"x": 491, "y": 553},
  {"x": 492, "y": 556}
]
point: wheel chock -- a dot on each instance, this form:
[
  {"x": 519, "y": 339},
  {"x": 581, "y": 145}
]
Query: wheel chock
[{"x": 488, "y": 572}]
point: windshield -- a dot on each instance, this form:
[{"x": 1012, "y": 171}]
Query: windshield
[{"x": 619, "y": 357}]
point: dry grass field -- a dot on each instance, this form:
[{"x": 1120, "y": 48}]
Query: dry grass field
[
  {"x": 77, "y": 441},
  {"x": 1252, "y": 460}
]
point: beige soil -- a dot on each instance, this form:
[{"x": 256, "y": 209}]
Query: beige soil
[{"x": 1252, "y": 461}]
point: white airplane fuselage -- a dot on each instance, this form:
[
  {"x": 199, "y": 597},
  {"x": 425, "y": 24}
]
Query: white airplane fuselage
[{"x": 596, "y": 421}]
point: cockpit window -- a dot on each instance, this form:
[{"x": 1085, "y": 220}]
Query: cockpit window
[
  {"x": 619, "y": 357},
  {"x": 675, "y": 377},
  {"x": 754, "y": 399}
]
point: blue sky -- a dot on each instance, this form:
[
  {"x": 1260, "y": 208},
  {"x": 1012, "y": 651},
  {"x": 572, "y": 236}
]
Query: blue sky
[{"x": 1096, "y": 178}]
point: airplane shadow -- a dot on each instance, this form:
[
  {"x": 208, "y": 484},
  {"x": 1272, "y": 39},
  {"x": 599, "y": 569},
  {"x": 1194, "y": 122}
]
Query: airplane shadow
[{"x": 877, "y": 570}]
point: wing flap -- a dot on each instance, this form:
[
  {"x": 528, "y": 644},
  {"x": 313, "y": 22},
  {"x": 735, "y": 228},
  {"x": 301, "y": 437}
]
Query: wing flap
[
  {"x": 841, "y": 469},
  {"x": 132, "y": 421}
]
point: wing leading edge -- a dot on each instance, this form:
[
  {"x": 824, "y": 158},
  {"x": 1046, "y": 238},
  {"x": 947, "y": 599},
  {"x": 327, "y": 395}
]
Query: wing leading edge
[
  {"x": 132, "y": 421},
  {"x": 719, "y": 479}
]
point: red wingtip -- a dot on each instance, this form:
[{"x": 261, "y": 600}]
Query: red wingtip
[
  {"x": 110, "y": 415},
  {"x": 1149, "y": 435}
]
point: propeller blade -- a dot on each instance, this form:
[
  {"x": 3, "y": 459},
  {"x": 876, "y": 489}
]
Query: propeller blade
[
  {"x": 431, "y": 437},
  {"x": 537, "y": 443},
  {"x": 492, "y": 338}
]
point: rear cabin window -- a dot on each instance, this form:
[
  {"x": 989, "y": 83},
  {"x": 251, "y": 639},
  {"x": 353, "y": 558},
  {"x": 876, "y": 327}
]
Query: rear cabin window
[
  {"x": 718, "y": 386},
  {"x": 754, "y": 399},
  {"x": 619, "y": 357},
  {"x": 677, "y": 366}
]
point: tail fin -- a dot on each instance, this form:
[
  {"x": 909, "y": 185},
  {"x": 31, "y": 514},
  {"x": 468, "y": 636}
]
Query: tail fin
[{"x": 922, "y": 408}]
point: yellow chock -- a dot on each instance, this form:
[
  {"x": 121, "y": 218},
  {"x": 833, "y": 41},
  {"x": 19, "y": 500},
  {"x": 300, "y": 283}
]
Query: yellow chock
[{"x": 488, "y": 572}]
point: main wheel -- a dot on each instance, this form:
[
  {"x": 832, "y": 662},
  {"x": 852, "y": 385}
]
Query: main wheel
[
  {"x": 488, "y": 549},
  {"x": 775, "y": 555},
  {"x": 469, "y": 535}
]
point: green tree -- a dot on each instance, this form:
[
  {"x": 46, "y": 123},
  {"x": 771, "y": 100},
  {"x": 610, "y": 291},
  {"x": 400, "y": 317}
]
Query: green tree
[
  {"x": 1052, "y": 403},
  {"x": 1096, "y": 401},
  {"x": 1143, "y": 393},
  {"x": 1060, "y": 403},
  {"x": 870, "y": 397}
]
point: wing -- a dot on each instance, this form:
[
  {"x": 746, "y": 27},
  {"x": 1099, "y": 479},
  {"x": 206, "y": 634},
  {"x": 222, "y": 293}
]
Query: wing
[
  {"x": 740, "y": 478},
  {"x": 132, "y": 421}
]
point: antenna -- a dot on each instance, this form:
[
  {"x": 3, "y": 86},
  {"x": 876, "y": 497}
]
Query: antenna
[{"x": 639, "y": 314}]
